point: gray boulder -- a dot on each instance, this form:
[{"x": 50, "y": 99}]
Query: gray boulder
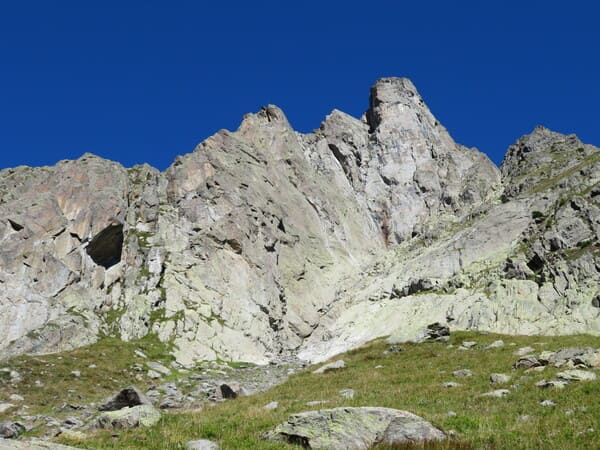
[
  {"x": 11, "y": 430},
  {"x": 133, "y": 417},
  {"x": 499, "y": 378},
  {"x": 354, "y": 428},
  {"x": 576, "y": 375},
  {"x": 202, "y": 444}
]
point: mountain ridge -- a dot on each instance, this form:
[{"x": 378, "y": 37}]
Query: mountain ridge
[{"x": 264, "y": 243}]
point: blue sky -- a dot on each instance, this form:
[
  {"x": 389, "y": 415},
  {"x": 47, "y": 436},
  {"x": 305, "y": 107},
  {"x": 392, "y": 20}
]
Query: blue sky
[{"x": 144, "y": 81}]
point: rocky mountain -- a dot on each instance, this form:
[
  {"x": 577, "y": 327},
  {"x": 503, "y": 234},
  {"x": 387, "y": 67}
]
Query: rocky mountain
[{"x": 265, "y": 243}]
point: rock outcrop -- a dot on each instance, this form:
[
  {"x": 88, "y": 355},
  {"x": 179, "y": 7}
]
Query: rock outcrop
[
  {"x": 265, "y": 242},
  {"x": 355, "y": 428}
]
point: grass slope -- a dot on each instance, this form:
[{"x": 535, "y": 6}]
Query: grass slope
[{"x": 411, "y": 380}]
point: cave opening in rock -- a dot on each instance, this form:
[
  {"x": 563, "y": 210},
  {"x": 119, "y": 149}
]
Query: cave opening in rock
[{"x": 106, "y": 247}]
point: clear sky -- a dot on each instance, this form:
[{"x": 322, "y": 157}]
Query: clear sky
[{"x": 144, "y": 81}]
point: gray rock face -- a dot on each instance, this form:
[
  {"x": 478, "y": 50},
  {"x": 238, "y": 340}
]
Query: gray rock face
[
  {"x": 354, "y": 428},
  {"x": 265, "y": 243}
]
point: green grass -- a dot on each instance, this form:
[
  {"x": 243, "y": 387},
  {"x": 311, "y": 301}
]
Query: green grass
[
  {"x": 551, "y": 182},
  {"x": 409, "y": 379},
  {"x": 113, "y": 359}
]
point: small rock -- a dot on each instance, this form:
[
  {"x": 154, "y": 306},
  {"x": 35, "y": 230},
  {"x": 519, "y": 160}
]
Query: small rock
[
  {"x": 524, "y": 351},
  {"x": 451, "y": 414},
  {"x": 230, "y": 390},
  {"x": 339, "y": 364},
  {"x": 498, "y": 393},
  {"x": 551, "y": 384},
  {"x": 499, "y": 378},
  {"x": 527, "y": 362},
  {"x": 451, "y": 384},
  {"x": 73, "y": 434},
  {"x": 5, "y": 407},
  {"x": 347, "y": 393},
  {"x": 71, "y": 422},
  {"x": 467, "y": 344},
  {"x": 271, "y": 406},
  {"x": 169, "y": 403},
  {"x": 524, "y": 418},
  {"x": 576, "y": 375},
  {"x": 496, "y": 344},
  {"x": 379, "y": 367},
  {"x": 16, "y": 398},
  {"x": 546, "y": 356},
  {"x": 76, "y": 373},
  {"x": 547, "y": 403},
  {"x": 462, "y": 373},
  {"x": 158, "y": 367},
  {"x": 202, "y": 444},
  {"x": 140, "y": 353},
  {"x": 153, "y": 375},
  {"x": 316, "y": 402},
  {"x": 537, "y": 369},
  {"x": 394, "y": 349},
  {"x": 92, "y": 366},
  {"x": 438, "y": 332},
  {"x": 128, "y": 397}
]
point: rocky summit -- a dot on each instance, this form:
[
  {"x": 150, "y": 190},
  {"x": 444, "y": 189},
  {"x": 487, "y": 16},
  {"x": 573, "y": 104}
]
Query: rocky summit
[{"x": 265, "y": 244}]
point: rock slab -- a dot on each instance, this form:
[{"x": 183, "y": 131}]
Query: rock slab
[{"x": 354, "y": 428}]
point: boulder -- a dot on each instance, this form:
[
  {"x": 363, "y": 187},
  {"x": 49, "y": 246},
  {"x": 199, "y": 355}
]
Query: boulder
[
  {"x": 499, "y": 378},
  {"x": 133, "y": 417},
  {"x": 128, "y": 397},
  {"x": 354, "y": 428},
  {"x": 158, "y": 367},
  {"x": 5, "y": 407},
  {"x": 11, "y": 430},
  {"x": 576, "y": 375},
  {"x": 498, "y": 393},
  {"x": 462, "y": 373},
  {"x": 544, "y": 384},
  {"x": 202, "y": 444},
  {"x": 231, "y": 390},
  {"x": 527, "y": 362},
  {"x": 347, "y": 393}
]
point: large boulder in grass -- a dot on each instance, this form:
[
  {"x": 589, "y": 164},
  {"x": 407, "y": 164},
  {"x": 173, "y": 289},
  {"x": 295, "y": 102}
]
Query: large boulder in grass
[
  {"x": 354, "y": 428},
  {"x": 136, "y": 416}
]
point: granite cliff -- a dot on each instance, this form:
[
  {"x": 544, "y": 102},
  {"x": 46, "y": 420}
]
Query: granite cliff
[{"x": 265, "y": 243}]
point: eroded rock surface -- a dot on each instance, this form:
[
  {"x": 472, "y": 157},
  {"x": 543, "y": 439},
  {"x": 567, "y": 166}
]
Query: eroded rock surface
[
  {"x": 355, "y": 428},
  {"x": 265, "y": 243}
]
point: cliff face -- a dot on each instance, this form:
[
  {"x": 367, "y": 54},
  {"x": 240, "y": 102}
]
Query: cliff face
[{"x": 264, "y": 242}]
